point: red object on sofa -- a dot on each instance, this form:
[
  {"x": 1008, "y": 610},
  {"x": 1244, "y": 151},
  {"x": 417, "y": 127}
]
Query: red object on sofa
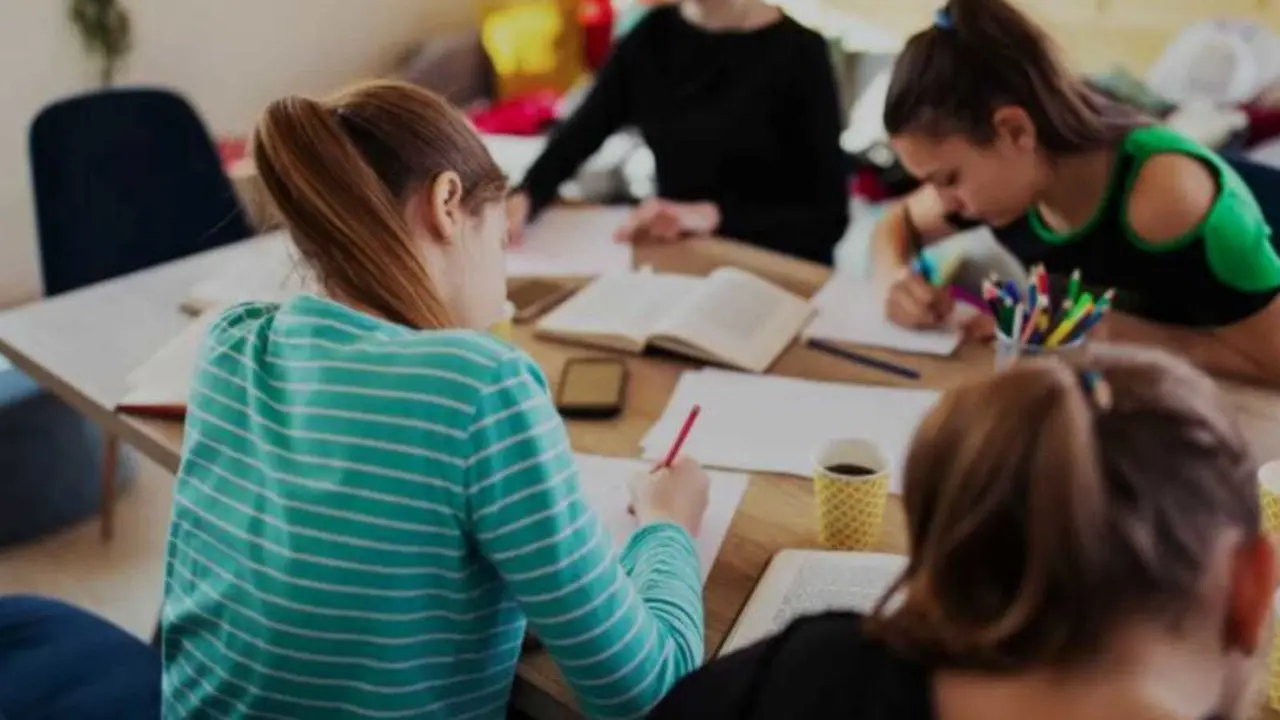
[
  {"x": 525, "y": 115},
  {"x": 596, "y": 19}
]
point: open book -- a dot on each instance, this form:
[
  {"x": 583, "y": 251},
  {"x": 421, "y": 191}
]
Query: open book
[
  {"x": 729, "y": 317},
  {"x": 811, "y": 582}
]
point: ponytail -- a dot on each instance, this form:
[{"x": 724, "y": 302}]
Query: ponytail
[
  {"x": 982, "y": 54},
  {"x": 1051, "y": 503},
  {"x": 339, "y": 173}
]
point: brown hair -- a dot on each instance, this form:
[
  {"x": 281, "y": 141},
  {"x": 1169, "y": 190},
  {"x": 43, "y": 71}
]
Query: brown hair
[
  {"x": 340, "y": 171},
  {"x": 983, "y": 54},
  {"x": 1041, "y": 520}
]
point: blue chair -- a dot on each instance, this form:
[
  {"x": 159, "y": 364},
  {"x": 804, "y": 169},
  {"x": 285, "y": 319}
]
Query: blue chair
[{"x": 124, "y": 180}]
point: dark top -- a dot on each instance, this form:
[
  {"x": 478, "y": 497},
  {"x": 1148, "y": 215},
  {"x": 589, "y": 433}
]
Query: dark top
[
  {"x": 819, "y": 667},
  {"x": 1221, "y": 272},
  {"x": 748, "y": 120}
]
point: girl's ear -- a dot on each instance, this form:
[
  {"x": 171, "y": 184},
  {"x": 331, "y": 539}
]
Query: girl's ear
[
  {"x": 1013, "y": 126},
  {"x": 440, "y": 206}
]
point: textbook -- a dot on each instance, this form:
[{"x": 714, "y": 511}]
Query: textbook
[
  {"x": 810, "y": 582},
  {"x": 730, "y": 317}
]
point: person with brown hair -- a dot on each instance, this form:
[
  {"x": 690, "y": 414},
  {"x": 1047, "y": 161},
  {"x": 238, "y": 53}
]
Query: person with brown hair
[
  {"x": 1085, "y": 543},
  {"x": 739, "y": 106},
  {"x": 982, "y": 110},
  {"x": 375, "y": 496}
]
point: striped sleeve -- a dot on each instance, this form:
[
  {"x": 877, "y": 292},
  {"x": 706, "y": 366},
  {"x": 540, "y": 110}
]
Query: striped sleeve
[{"x": 622, "y": 630}]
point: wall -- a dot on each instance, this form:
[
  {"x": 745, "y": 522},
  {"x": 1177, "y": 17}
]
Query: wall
[
  {"x": 1096, "y": 34},
  {"x": 230, "y": 57}
]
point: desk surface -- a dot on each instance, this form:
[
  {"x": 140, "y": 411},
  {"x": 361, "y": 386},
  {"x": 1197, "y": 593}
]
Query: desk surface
[{"x": 82, "y": 345}]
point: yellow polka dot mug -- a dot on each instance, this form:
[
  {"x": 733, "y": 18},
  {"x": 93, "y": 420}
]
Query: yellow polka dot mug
[{"x": 851, "y": 485}]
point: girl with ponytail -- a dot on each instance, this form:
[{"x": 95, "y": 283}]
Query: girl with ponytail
[
  {"x": 375, "y": 497},
  {"x": 1085, "y": 545},
  {"x": 984, "y": 113}
]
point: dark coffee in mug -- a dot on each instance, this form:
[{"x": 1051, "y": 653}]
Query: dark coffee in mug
[{"x": 850, "y": 470}]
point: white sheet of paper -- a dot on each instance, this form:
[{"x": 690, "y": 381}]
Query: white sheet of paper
[
  {"x": 765, "y": 423},
  {"x": 852, "y": 311},
  {"x": 604, "y": 484},
  {"x": 572, "y": 242}
]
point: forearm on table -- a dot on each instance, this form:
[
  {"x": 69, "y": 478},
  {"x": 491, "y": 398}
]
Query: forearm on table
[
  {"x": 1214, "y": 351},
  {"x": 662, "y": 562}
]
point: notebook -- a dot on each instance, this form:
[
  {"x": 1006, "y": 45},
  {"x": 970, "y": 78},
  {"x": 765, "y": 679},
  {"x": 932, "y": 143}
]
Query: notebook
[
  {"x": 767, "y": 423},
  {"x": 730, "y": 317},
  {"x": 562, "y": 243},
  {"x": 809, "y": 582},
  {"x": 851, "y": 312},
  {"x": 159, "y": 387},
  {"x": 604, "y": 484}
]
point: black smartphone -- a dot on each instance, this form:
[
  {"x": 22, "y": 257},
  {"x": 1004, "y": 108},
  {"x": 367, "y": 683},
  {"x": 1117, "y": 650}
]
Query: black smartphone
[
  {"x": 534, "y": 297},
  {"x": 592, "y": 388}
]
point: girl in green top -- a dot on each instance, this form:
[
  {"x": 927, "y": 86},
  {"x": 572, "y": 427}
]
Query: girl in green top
[{"x": 981, "y": 109}]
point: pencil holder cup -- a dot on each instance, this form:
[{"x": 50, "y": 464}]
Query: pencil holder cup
[
  {"x": 1008, "y": 350},
  {"x": 1269, "y": 495},
  {"x": 1273, "y": 663},
  {"x": 851, "y": 485}
]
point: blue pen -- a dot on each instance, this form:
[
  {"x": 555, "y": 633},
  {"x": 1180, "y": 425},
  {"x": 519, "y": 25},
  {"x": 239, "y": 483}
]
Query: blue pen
[
  {"x": 1011, "y": 289},
  {"x": 924, "y": 268}
]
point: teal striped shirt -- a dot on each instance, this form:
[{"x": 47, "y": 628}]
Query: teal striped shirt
[{"x": 366, "y": 516}]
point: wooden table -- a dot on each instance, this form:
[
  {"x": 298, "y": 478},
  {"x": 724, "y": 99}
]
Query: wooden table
[{"x": 82, "y": 345}]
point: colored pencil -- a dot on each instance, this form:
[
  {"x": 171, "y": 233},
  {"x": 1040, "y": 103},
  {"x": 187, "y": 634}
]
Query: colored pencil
[
  {"x": 865, "y": 360},
  {"x": 680, "y": 438}
]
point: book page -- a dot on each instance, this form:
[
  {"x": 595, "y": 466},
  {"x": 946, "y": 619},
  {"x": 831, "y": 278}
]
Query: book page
[
  {"x": 572, "y": 242},
  {"x": 799, "y": 583},
  {"x": 743, "y": 320},
  {"x": 162, "y": 384},
  {"x": 767, "y": 423},
  {"x": 604, "y": 485},
  {"x": 851, "y": 312},
  {"x": 629, "y": 306}
]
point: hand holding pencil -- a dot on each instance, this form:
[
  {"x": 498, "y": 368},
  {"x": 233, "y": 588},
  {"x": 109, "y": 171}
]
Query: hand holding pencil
[{"x": 676, "y": 490}]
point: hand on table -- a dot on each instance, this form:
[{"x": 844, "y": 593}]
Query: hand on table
[
  {"x": 678, "y": 494},
  {"x": 517, "y": 216},
  {"x": 914, "y": 303},
  {"x": 659, "y": 220}
]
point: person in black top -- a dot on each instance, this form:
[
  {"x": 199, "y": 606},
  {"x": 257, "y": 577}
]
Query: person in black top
[
  {"x": 738, "y": 103},
  {"x": 981, "y": 109},
  {"x": 1085, "y": 545}
]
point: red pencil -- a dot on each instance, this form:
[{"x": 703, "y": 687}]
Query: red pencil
[{"x": 684, "y": 433}]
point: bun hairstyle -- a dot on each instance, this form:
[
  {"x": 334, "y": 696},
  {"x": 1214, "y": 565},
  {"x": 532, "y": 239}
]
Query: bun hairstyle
[
  {"x": 1046, "y": 509},
  {"x": 340, "y": 171},
  {"x": 980, "y": 55}
]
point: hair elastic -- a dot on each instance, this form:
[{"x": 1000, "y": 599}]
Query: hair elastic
[
  {"x": 1097, "y": 388},
  {"x": 942, "y": 19}
]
